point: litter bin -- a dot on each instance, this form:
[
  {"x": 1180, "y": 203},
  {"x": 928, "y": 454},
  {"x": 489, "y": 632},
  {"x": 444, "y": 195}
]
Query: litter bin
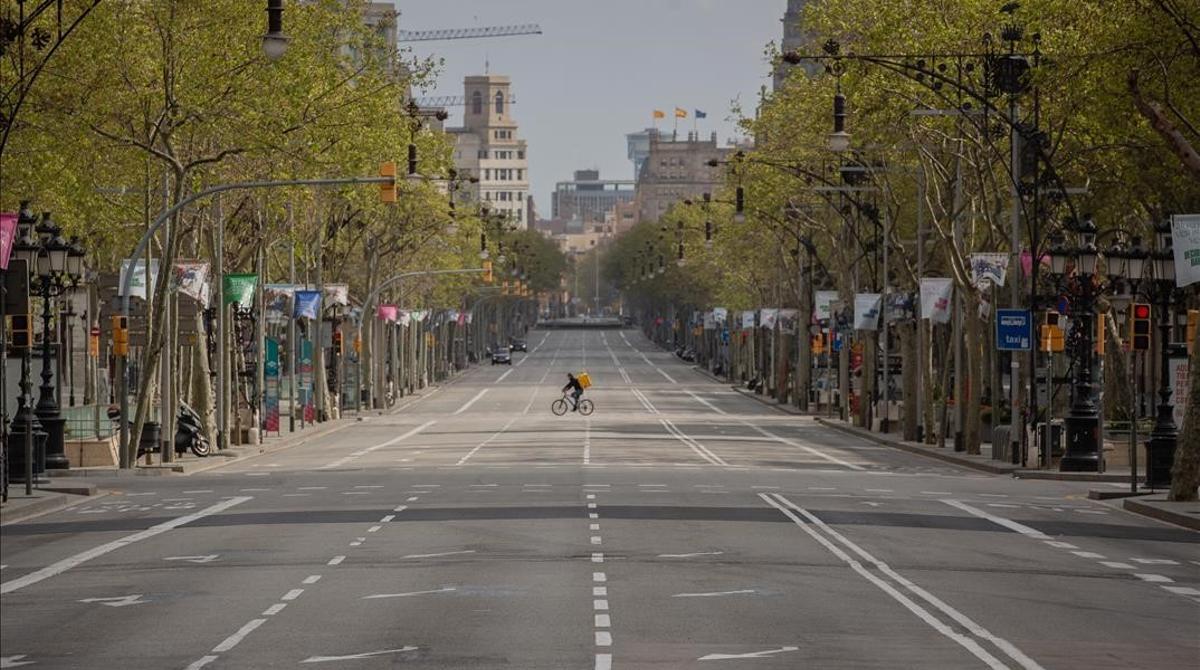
[
  {"x": 1001, "y": 445},
  {"x": 151, "y": 440}
]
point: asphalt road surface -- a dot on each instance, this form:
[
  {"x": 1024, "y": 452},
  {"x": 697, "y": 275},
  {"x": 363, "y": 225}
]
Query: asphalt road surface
[{"x": 682, "y": 525}]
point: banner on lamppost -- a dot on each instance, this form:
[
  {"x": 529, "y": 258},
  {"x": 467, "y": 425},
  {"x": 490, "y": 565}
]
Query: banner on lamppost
[
  {"x": 767, "y": 317},
  {"x": 866, "y": 311},
  {"x": 821, "y": 302},
  {"x": 405, "y": 317},
  {"x": 278, "y": 299},
  {"x": 899, "y": 306},
  {"x": 337, "y": 294},
  {"x": 936, "y": 294},
  {"x": 239, "y": 289},
  {"x": 1185, "y": 236},
  {"x": 8, "y": 234},
  {"x": 709, "y": 322},
  {"x": 788, "y": 319},
  {"x": 191, "y": 278},
  {"x": 988, "y": 268},
  {"x": 307, "y": 305},
  {"x": 720, "y": 316},
  {"x": 138, "y": 281},
  {"x": 271, "y": 396},
  {"x": 748, "y": 318},
  {"x": 462, "y": 318},
  {"x": 386, "y": 312}
]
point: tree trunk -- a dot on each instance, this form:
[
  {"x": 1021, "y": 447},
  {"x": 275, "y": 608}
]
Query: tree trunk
[
  {"x": 908, "y": 352},
  {"x": 1185, "y": 472},
  {"x": 974, "y": 370},
  {"x": 201, "y": 394}
]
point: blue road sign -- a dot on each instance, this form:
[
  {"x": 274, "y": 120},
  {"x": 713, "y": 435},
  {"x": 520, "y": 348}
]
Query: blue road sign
[{"x": 1014, "y": 330}]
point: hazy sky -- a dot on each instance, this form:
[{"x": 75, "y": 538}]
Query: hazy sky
[{"x": 601, "y": 66}]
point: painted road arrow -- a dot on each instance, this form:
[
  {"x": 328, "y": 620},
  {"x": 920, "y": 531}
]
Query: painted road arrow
[
  {"x": 194, "y": 559},
  {"x": 369, "y": 654},
  {"x": 755, "y": 654},
  {"x": 117, "y": 601}
]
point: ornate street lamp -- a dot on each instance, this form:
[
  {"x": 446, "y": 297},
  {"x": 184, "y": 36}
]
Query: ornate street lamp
[
  {"x": 1082, "y": 422},
  {"x": 274, "y": 42},
  {"x": 53, "y": 267},
  {"x": 26, "y": 440},
  {"x": 1160, "y": 449}
]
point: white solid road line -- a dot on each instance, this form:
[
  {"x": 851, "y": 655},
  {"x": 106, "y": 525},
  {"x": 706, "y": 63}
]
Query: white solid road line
[
  {"x": 481, "y": 445},
  {"x": 753, "y": 654},
  {"x": 501, "y": 377},
  {"x": 67, "y": 563},
  {"x": 706, "y": 403},
  {"x": 810, "y": 521},
  {"x": 805, "y": 447},
  {"x": 999, "y": 521},
  {"x": 470, "y": 402},
  {"x": 692, "y": 555},
  {"x": 444, "y": 553},
  {"x": 695, "y": 446}
]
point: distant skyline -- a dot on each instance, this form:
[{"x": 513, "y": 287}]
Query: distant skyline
[{"x": 600, "y": 68}]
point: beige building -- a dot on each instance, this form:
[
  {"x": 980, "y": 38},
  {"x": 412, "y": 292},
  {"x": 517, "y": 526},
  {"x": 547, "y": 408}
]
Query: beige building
[
  {"x": 794, "y": 39},
  {"x": 675, "y": 170},
  {"x": 488, "y": 147}
]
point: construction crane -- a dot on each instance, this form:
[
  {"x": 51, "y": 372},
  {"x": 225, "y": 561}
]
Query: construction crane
[
  {"x": 449, "y": 101},
  {"x": 467, "y": 33}
]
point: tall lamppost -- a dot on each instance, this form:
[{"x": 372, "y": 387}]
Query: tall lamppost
[
  {"x": 59, "y": 267},
  {"x": 26, "y": 439},
  {"x": 1160, "y": 450}
]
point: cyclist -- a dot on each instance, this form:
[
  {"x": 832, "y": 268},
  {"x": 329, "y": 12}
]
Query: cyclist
[{"x": 573, "y": 383}]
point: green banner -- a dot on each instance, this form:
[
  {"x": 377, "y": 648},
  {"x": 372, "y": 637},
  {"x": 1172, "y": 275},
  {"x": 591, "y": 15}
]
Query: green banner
[{"x": 239, "y": 289}]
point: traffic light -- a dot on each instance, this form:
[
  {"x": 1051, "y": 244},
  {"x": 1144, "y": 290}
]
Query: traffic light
[
  {"x": 387, "y": 190},
  {"x": 22, "y": 332},
  {"x": 1193, "y": 317},
  {"x": 818, "y": 344},
  {"x": 412, "y": 159},
  {"x": 1139, "y": 326},
  {"x": 120, "y": 335},
  {"x": 337, "y": 343},
  {"x": 488, "y": 277},
  {"x": 1052, "y": 339}
]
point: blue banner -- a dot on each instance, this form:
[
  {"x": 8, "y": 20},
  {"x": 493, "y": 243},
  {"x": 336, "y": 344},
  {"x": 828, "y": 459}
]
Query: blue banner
[
  {"x": 308, "y": 305},
  {"x": 1014, "y": 330}
]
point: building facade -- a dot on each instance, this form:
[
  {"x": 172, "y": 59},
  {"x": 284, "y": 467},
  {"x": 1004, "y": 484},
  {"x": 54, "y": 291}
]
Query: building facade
[
  {"x": 588, "y": 197},
  {"x": 675, "y": 170},
  {"x": 794, "y": 38},
  {"x": 488, "y": 147}
]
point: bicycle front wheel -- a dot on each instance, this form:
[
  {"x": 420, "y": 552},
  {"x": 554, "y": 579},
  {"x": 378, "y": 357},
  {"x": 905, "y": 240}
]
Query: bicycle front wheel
[
  {"x": 559, "y": 407},
  {"x": 586, "y": 407}
]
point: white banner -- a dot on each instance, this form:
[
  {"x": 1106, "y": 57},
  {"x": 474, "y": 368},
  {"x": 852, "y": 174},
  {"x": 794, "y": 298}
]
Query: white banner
[
  {"x": 767, "y": 317},
  {"x": 936, "y": 294},
  {"x": 709, "y": 322},
  {"x": 866, "y": 311},
  {"x": 748, "y": 319},
  {"x": 1185, "y": 235},
  {"x": 787, "y": 320},
  {"x": 1177, "y": 373},
  {"x": 720, "y": 316},
  {"x": 191, "y": 279},
  {"x": 988, "y": 268},
  {"x": 137, "y": 283},
  {"x": 821, "y": 301}
]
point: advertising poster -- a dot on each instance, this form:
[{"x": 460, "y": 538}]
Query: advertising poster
[
  {"x": 936, "y": 294},
  {"x": 239, "y": 289},
  {"x": 866, "y": 311},
  {"x": 271, "y": 392}
]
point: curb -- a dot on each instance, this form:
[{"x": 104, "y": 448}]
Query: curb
[
  {"x": 1076, "y": 476},
  {"x": 44, "y": 506},
  {"x": 920, "y": 450},
  {"x": 1136, "y": 506}
]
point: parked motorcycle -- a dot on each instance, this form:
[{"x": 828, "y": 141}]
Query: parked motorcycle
[{"x": 189, "y": 433}]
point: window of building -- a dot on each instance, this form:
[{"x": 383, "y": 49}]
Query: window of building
[
  {"x": 483, "y": 153},
  {"x": 520, "y": 175},
  {"x": 487, "y": 174},
  {"x": 476, "y": 103},
  {"x": 499, "y": 102},
  {"x": 521, "y": 196},
  {"x": 521, "y": 154}
]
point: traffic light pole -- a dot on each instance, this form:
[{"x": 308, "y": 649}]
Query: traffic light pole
[{"x": 164, "y": 273}]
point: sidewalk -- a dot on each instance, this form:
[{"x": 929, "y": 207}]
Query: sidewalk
[
  {"x": 1186, "y": 514},
  {"x": 43, "y": 501}
]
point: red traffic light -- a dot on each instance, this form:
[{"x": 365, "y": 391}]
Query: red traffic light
[{"x": 1141, "y": 311}]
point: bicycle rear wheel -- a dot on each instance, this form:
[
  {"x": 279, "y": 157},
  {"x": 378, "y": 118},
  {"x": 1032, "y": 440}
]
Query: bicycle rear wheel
[
  {"x": 586, "y": 407},
  {"x": 559, "y": 407}
]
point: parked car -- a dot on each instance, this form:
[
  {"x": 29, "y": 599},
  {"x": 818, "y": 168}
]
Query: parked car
[{"x": 501, "y": 355}]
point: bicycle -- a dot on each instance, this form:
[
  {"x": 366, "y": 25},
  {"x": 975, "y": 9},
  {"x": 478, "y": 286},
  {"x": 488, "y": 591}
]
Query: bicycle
[{"x": 560, "y": 406}]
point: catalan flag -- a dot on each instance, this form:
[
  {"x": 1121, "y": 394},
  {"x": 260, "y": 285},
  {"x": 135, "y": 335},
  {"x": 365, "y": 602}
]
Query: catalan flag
[
  {"x": 659, "y": 114},
  {"x": 680, "y": 113}
]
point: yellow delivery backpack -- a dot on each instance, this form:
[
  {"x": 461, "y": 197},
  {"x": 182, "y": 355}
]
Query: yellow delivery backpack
[{"x": 584, "y": 380}]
